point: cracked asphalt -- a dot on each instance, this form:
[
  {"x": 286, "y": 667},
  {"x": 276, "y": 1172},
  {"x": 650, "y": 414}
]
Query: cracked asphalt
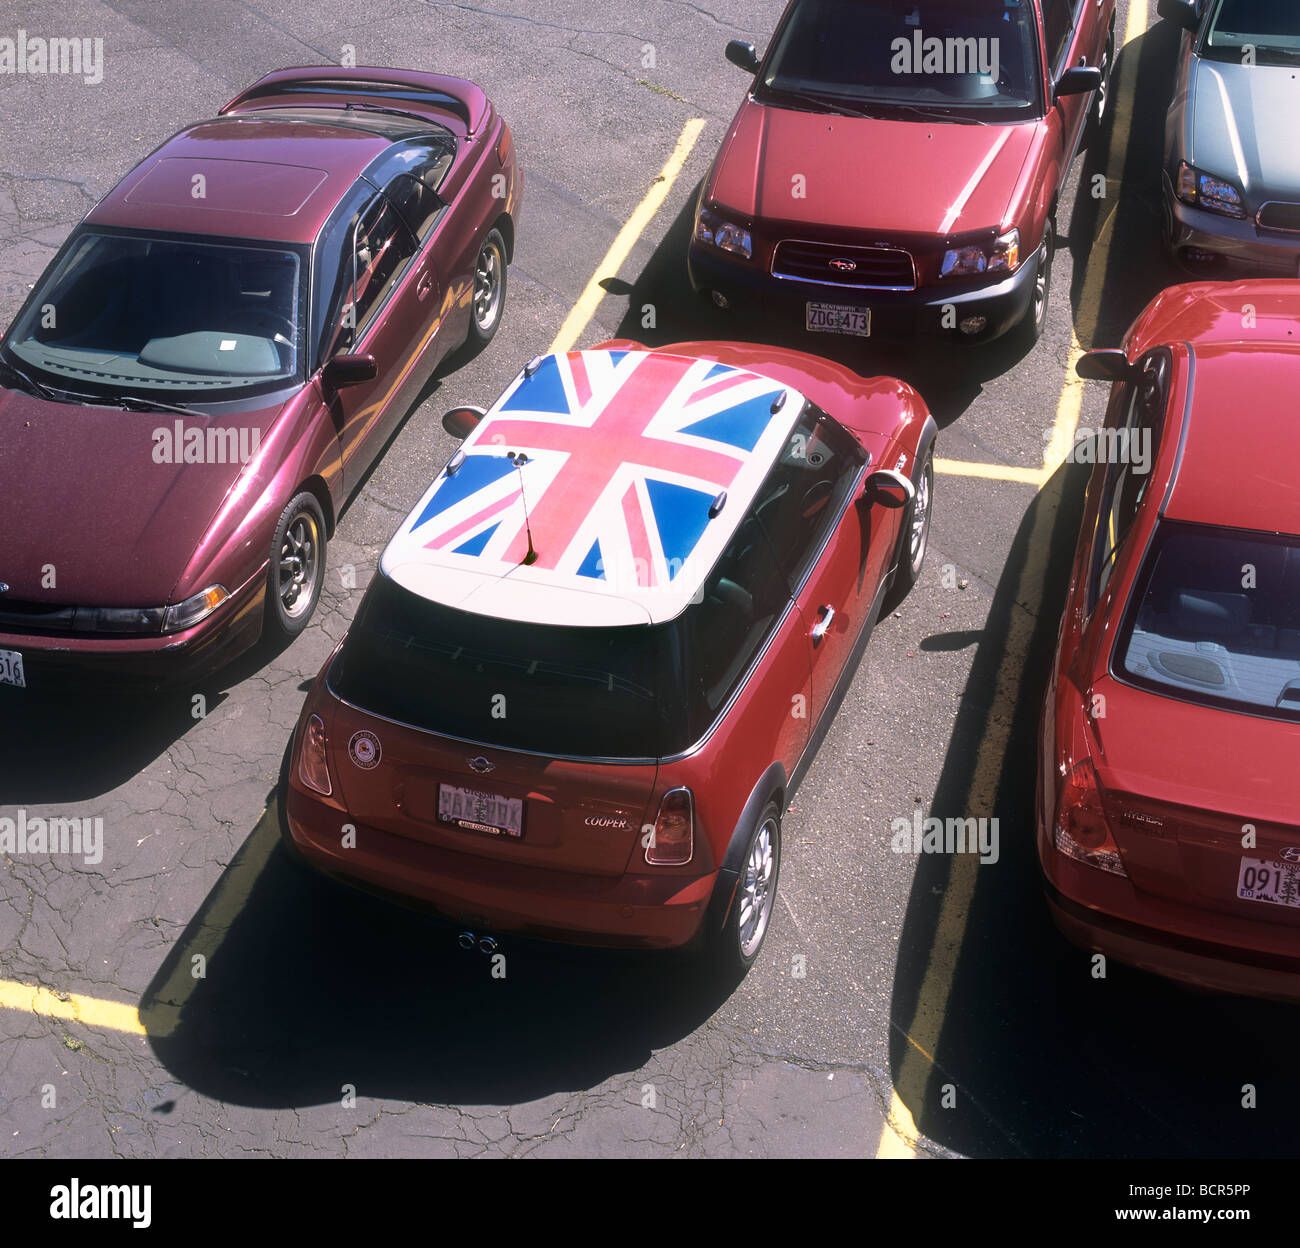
[{"x": 327, "y": 1023}]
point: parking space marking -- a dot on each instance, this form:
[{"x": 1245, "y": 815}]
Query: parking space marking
[
  {"x": 929, "y": 1016},
  {"x": 94, "y": 1011},
  {"x": 989, "y": 472},
  {"x": 580, "y": 315}
]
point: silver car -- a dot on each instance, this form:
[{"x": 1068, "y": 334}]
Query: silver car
[{"x": 1232, "y": 147}]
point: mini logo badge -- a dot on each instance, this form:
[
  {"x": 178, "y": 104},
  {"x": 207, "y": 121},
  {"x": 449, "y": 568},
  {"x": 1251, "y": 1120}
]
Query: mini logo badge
[
  {"x": 364, "y": 750},
  {"x": 1290, "y": 854},
  {"x": 481, "y": 765},
  {"x": 844, "y": 266}
]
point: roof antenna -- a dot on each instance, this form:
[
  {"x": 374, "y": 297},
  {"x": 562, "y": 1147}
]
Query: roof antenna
[{"x": 519, "y": 459}]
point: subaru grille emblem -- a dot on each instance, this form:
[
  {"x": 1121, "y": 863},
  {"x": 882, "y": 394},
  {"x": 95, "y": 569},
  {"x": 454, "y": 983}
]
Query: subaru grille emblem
[{"x": 844, "y": 266}]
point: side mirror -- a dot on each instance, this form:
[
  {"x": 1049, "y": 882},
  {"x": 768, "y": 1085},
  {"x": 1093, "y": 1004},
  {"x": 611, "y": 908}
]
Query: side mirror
[
  {"x": 348, "y": 370},
  {"x": 460, "y": 422},
  {"x": 743, "y": 54},
  {"x": 1109, "y": 364},
  {"x": 889, "y": 488},
  {"x": 1078, "y": 80},
  {"x": 1180, "y": 12}
]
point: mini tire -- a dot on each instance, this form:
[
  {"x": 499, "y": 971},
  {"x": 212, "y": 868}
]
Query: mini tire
[
  {"x": 296, "y": 571},
  {"x": 489, "y": 289},
  {"x": 914, "y": 540},
  {"x": 737, "y": 945}
]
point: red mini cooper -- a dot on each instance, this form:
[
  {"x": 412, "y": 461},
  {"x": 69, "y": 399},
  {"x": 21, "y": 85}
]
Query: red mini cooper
[
  {"x": 896, "y": 166},
  {"x": 221, "y": 350},
  {"x": 1169, "y": 797},
  {"x": 600, "y": 653}
]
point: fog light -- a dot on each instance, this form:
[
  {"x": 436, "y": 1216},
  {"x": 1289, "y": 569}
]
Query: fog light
[
  {"x": 720, "y": 300},
  {"x": 973, "y": 324}
]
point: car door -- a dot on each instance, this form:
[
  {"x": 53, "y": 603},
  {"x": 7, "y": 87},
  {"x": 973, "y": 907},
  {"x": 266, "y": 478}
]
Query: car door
[
  {"x": 1071, "y": 38},
  {"x": 830, "y": 544}
]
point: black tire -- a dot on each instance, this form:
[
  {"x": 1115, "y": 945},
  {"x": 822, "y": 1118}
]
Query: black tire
[
  {"x": 914, "y": 540},
  {"x": 488, "y": 298},
  {"x": 296, "y": 572},
  {"x": 1102, "y": 100},
  {"x": 1031, "y": 327},
  {"x": 736, "y": 946}
]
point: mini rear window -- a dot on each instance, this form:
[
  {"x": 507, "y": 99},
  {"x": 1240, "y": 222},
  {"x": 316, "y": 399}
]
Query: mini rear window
[{"x": 1216, "y": 620}]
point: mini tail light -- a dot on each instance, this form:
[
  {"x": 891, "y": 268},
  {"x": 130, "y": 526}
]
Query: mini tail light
[
  {"x": 673, "y": 841},
  {"x": 313, "y": 770},
  {"x": 1082, "y": 832}
]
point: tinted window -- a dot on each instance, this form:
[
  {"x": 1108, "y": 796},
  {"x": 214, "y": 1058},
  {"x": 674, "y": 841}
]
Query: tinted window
[
  {"x": 806, "y": 490},
  {"x": 586, "y": 692},
  {"x": 417, "y": 202},
  {"x": 1058, "y": 20},
  {"x": 1216, "y": 619}
]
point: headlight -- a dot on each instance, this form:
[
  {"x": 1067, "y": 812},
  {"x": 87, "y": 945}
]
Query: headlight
[
  {"x": 726, "y": 235},
  {"x": 1000, "y": 256},
  {"x": 192, "y": 610},
  {"x": 120, "y": 619},
  {"x": 1208, "y": 192}
]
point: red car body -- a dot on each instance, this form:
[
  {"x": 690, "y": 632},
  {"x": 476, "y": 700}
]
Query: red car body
[
  {"x": 292, "y": 168},
  {"x": 859, "y": 211},
  {"x": 581, "y": 871},
  {"x": 1167, "y": 798}
]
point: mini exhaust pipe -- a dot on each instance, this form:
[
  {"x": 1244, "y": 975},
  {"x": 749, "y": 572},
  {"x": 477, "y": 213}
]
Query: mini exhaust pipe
[
  {"x": 467, "y": 940},
  {"x": 487, "y": 944}
]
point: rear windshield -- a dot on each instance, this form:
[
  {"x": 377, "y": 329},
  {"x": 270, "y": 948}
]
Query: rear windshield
[
  {"x": 561, "y": 691},
  {"x": 1216, "y": 620},
  {"x": 973, "y": 59}
]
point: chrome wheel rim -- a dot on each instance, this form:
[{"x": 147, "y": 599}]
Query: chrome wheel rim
[
  {"x": 1103, "y": 91},
  {"x": 757, "y": 889},
  {"x": 1042, "y": 281},
  {"x": 487, "y": 286},
  {"x": 299, "y": 565},
  {"x": 920, "y": 520}
]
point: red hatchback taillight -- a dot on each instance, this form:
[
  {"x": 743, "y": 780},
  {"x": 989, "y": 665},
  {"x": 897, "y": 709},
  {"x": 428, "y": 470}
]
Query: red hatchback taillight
[
  {"x": 673, "y": 841},
  {"x": 313, "y": 769},
  {"x": 1082, "y": 832}
]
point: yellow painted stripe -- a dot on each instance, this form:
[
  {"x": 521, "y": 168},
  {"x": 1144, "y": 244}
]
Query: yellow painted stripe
[
  {"x": 93, "y": 1011},
  {"x": 990, "y": 472},
  {"x": 582, "y": 312},
  {"x": 929, "y": 1019}
]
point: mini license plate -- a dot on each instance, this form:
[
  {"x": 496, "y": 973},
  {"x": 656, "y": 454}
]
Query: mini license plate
[
  {"x": 838, "y": 318},
  {"x": 1275, "y": 882},
  {"x": 476, "y": 811},
  {"x": 11, "y": 669}
]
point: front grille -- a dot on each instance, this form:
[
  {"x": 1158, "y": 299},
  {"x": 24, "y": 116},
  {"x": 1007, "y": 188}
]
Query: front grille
[
  {"x": 830, "y": 264},
  {"x": 37, "y": 617},
  {"x": 1280, "y": 216}
]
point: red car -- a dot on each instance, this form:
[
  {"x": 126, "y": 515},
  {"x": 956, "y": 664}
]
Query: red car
[
  {"x": 896, "y": 167},
  {"x": 600, "y": 653},
  {"x": 219, "y": 352},
  {"x": 1168, "y": 831}
]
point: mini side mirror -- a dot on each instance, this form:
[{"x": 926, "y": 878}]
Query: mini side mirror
[
  {"x": 348, "y": 370},
  {"x": 1078, "y": 80},
  {"x": 1180, "y": 12},
  {"x": 889, "y": 488},
  {"x": 460, "y": 422},
  {"x": 1109, "y": 364},
  {"x": 743, "y": 54}
]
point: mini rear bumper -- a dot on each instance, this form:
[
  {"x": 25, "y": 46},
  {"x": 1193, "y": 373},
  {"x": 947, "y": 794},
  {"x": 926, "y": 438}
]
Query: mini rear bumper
[
  {"x": 627, "y": 911},
  {"x": 926, "y": 311}
]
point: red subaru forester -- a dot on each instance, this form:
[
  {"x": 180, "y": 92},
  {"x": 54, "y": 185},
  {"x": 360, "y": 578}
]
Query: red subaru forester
[{"x": 599, "y": 654}]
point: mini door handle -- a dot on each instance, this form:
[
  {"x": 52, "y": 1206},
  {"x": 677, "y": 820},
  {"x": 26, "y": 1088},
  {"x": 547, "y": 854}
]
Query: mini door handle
[
  {"x": 823, "y": 626},
  {"x": 423, "y": 284}
]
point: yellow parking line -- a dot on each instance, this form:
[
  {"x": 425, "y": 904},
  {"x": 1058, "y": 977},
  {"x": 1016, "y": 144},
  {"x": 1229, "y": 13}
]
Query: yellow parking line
[
  {"x": 929, "y": 1018},
  {"x": 93, "y": 1011},
  {"x": 990, "y": 472},
  {"x": 580, "y": 316}
]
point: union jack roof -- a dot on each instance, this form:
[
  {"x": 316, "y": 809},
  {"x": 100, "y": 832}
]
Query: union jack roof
[{"x": 625, "y": 455}]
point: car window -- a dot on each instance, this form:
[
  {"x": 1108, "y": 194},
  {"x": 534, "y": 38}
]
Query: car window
[
  {"x": 1058, "y": 21},
  {"x": 1270, "y": 29},
  {"x": 740, "y": 603},
  {"x": 804, "y": 493},
  {"x": 1216, "y": 619},
  {"x": 416, "y": 201}
]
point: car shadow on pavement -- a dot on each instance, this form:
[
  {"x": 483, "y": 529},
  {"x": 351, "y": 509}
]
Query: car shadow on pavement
[{"x": 309, "y": 985}]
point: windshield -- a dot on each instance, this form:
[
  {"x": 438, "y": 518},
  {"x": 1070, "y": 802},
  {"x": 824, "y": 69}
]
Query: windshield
[
  {"x": 1258, "y": 31},
  {"x": 1217, "y": 620},
  {"x": 163, "y": 315},
  {"x": 555, "y": 690},
  {"x": 958, "y": 58}
]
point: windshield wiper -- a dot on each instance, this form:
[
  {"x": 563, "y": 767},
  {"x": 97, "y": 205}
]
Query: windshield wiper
[
  {"x": 820, "y": 103},
  {"x": 143, "y": 403},
  {"x": 40, "y": 389}
]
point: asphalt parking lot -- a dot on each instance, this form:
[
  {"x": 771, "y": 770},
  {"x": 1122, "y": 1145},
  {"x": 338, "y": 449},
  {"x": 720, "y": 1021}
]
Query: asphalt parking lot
[{"x": 903, "y": 1005}]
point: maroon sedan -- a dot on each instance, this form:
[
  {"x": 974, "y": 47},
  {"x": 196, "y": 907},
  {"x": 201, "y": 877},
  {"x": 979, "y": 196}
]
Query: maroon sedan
[{"x": 219, "y": 352}]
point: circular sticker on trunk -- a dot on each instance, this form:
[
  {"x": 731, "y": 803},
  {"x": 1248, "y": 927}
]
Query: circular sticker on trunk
[{"x": 364, "y": 750}]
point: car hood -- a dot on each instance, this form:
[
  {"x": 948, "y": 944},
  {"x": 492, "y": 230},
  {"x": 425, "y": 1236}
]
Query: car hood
[
  {"x": 863, "y": 172},
  {"x": 1243, "y": 128},
  {"x": 83, "y": 498}
]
